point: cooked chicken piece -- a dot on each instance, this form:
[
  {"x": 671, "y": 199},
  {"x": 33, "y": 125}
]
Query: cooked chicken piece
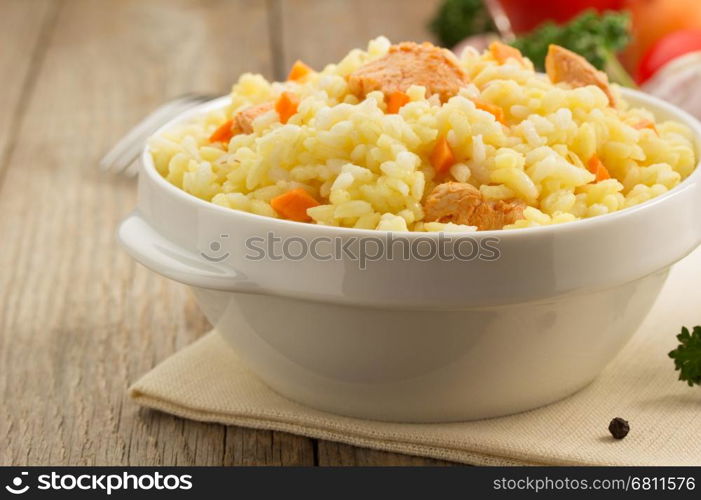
[
  {"x": 409, "y": 64},
  {"x": 462, "y": 203},
  {"x": 563, "y": 65},
  {"x": 243, "y": 120},
  {"x": 502, "y": 52}
]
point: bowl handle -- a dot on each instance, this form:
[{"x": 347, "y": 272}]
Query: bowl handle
[{"x": 157, "y": 253}]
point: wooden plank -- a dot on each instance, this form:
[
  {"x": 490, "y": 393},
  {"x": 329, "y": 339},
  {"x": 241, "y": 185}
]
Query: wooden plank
[
  {"x": 253, "y": 447},
  {"x": 337, "y": 454},
  {"x": 23, "y": 30},
  {"x": 79, "y": 321},
  {"x": 323, "y": 31}
]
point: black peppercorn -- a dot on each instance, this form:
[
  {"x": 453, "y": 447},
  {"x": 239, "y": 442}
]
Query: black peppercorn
[{"x": 619, "y": 428}]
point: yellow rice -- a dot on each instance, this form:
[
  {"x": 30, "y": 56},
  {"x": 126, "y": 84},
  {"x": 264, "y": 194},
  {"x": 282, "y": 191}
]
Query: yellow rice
[{"x": 371, "y": 170}]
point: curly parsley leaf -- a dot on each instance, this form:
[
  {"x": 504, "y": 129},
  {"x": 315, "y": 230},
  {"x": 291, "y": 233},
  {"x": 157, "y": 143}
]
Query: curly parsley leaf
[
  {"x": 458, "y": 19},
  {"x": 687, "y": 356}
]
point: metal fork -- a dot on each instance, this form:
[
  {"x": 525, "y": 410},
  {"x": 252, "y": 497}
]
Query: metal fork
[{"x": 122, "y": 158}]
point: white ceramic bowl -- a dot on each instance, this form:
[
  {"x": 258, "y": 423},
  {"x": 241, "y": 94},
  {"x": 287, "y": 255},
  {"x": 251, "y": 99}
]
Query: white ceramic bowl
[{"x": 416, "y": 339}]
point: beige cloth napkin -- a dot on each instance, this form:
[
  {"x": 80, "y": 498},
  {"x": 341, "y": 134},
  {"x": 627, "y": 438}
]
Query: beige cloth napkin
[{"x": 206, "y": 381}]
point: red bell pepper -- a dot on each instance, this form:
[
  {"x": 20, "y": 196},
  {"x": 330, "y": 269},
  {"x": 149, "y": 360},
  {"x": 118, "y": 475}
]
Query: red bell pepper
[{"x": 664, "y": 50}]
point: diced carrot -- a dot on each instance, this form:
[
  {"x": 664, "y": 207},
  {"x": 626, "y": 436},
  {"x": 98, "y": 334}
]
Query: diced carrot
[
  {"x": 286, "y": 106},
  {"x": 596, "y": 167},
  {"x": 396, "y": 100},
  {"x": 298, "y": 71},
  {"x": 293, "y": 205},
  {"x": 502, "y": 52},
  {"x": 645, "y": 124},
  {"x": 497, "y": 111},
  {"x": 224, "y": 133},
  {"x": 442, "y": 157}
]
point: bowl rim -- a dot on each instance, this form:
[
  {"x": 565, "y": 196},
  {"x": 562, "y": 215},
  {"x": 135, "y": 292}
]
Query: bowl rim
[{"x": 640, "y": 99}]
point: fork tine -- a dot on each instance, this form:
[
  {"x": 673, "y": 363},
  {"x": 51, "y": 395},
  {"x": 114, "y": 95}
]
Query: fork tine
[
  {"x": 126, "y": 151},
  {"x": 114, "y": 160},
  {"x": 123, "y": 153}
]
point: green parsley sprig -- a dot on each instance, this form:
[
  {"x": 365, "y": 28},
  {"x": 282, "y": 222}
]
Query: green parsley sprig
[{"x": 687, "y": 356}]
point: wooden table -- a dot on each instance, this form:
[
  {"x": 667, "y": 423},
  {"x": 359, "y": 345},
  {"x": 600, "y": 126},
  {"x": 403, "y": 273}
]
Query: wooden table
[{"x": 79, "y": 320}]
